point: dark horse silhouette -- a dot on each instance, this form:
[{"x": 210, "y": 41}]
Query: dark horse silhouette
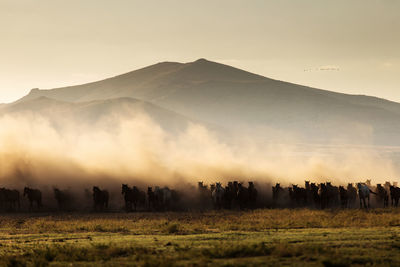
[
  {"x": 277, "y": 192},
  {"x": 394, "y": 195},
  {"x": 344, "y": 197},
  {"x": 323, "y": 195},
  {"x": 100, "y": 198},
  {"x": 352, "y": 195},
  {"x": 133, "y": 196},
  {"x": 34, "y": 195},
  {"x": 299, "y": 196},
  {"x": 253, "y": 194},
  {"x": 242, "y": 196},
  {"x": 382, "y": 195},
  {"x": 9, "y": 199},
  {"x": 152, "y": 199},
  {"x": 63, "y": 198}
]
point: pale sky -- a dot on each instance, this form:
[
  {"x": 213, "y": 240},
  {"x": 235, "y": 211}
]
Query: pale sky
[{"x": 350, "y": 46}]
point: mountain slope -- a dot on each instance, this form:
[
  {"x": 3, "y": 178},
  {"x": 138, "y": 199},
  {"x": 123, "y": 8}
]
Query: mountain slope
[{"x": 246, "y": 102}]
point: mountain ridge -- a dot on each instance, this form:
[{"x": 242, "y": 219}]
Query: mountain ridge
[
  {"x": 235, "y": 99},
  {"x": 156, "y": 67}
]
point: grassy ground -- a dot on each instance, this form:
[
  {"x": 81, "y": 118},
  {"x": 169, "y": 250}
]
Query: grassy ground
[{"x": 261, "y": 237}]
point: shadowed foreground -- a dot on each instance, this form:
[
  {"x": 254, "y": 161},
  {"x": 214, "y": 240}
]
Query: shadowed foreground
[{"x": 266, "y": 237}]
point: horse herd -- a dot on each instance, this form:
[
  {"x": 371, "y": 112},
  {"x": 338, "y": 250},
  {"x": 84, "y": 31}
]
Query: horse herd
[
  {"x": 134, "y": 198},
  {"x": 326, "y": 195},
  {"x": 234, "y": 195}
]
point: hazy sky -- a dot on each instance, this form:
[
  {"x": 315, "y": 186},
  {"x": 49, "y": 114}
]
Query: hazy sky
[{"x": 350, "y": 46}]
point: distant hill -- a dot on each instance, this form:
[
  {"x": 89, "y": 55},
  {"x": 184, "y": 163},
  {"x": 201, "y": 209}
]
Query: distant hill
[{"x": 244, "y": 102}]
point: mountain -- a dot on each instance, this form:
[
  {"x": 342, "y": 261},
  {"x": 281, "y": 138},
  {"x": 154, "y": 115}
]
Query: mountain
[{"x": 246, "y": 103}]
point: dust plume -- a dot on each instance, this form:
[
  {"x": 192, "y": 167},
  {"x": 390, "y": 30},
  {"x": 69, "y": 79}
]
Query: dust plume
[{"x": 39, "y": 151}]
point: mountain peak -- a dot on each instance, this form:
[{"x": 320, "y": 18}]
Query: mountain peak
[{"x": 200, "y": 60}]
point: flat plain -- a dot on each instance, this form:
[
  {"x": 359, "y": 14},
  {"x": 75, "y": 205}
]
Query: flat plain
[{"x": 265, "y": 237}]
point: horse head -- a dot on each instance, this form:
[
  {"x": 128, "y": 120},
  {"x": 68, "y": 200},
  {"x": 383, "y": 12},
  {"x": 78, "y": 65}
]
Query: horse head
[
  {"x": 212, "y": 187},
  {"x": 124, "y": 188}
]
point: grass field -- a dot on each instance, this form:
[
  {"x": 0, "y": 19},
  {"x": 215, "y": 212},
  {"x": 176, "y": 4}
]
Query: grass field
[{"x": 261, "y": 237}]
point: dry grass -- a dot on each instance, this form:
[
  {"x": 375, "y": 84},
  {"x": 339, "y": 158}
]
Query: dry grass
[
  {"x": 266, "y": 237},
  {"x": 196, "y": 222}
]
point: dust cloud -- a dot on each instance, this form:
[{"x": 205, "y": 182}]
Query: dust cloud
[{"x": 38, "y": 152}]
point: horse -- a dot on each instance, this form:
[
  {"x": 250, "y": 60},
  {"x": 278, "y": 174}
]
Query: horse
[
  {"x": 394, "y": 195},
  {"x": 309, "y": 193},
  {"x": 242, "y": 196},
  {"x": 100, "y": 199},
  {"x": 333, "y": 194},
  {"x": 152, "y": 199},
  {"x": 278, "y": 195},
  {"x": 314, "y": 195},
  {"x": 128, "y": 196},
  {"x": 363, "y": 194},
  {"x": 140, "y": 197},
  {"x": 351, "y": 194},
  {"x": 10, "y": 199},
  {"x": 323, "y": 195},
  {"x": 292, "y": 196},
  {"x": 382, "y": 195},
  {"x": 229, "y": 195},
  {"x": 253, "y": 194},
  {"x": 343, "y": 197},
  {"x": 218, "y": 196},
  {"x": 164, "y": 197},
  {"x": 63, "y": 198},
  {"x": 300, "y": 195},
  {"x": 203, "y": 194},
  {"x": 132, "y": 196},
  {"x": 34, "y": 195}
]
